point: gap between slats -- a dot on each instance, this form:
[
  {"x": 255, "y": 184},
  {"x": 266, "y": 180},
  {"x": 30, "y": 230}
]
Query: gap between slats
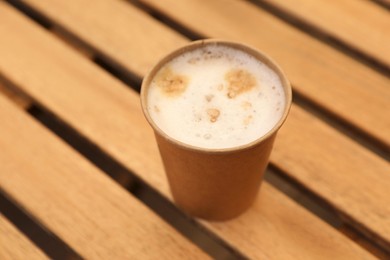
[
  {"x": 169, "y": 212},
  {"x": 323, "y": 36},
  {"x": 145, "y": 192},
  {"x": 206, "y": 240},
  {"x": 383, "y": 3},
  {"x": 200, "y": 236},
  {"x": 365, "y": 139},
  {"x": 16, "y": 96},
  {"x": 54, "y": 247},
  {"x": 128, "y": 77},
  {"x": 43, "y": 238}
]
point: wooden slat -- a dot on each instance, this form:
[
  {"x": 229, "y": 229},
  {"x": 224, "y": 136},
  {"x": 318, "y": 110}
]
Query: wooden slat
[
  {"x": 292, "y": 231},
  {"x": 285, "y": 156},
  {"x": 109, "y": 114},
  {"x": 85, "y": 19},
  {"x": 351, "y": 179},
  {"x": 14, "y": 245},
  {"x": 361, "y": 24},
  {"x": 85, "y": 208},
  {"x": 331, "y": 79}
]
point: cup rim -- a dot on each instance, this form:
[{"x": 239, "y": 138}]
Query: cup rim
[{"x": 236, "y": 45}]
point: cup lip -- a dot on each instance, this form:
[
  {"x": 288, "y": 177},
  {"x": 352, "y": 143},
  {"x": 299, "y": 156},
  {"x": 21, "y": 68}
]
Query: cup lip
[{"x": 236, "y": 45}]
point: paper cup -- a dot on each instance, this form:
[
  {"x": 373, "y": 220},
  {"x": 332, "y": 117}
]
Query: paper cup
[{"x": 215, "y": 184}]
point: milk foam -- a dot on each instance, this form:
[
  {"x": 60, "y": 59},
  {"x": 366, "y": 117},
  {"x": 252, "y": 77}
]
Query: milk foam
[{"x": 215, "y": 97}]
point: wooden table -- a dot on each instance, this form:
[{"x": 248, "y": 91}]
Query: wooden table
[{"x": 80, "y": 174}]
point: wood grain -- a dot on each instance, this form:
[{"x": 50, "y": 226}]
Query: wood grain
[
  {"x": 82, "y": 205},
  {"x": 109, "y": 114},
  {"x": 361, "y": 24},
  {"x": 14, "y": 245},
  {"x": 286, "y": 156},
  {"x": 125, "y": 25},
  {"x": 274, "y": 214},
  {"x": 329, "y": 78},
  {"x": 351, "y": 179}
]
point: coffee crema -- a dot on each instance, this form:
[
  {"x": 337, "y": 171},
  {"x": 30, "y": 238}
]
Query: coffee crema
[{"x": 216, "y": 97}]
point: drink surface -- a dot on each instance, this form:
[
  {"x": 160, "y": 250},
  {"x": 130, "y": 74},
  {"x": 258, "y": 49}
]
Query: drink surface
[{"x": 215, "y": 97}]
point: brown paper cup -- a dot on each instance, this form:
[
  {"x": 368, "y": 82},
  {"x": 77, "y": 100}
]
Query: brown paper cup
[{"x": 215, "y": 184}]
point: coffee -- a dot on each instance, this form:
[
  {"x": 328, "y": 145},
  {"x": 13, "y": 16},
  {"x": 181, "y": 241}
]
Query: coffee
[
  {"x": 216, "y": 97},
  {"x": 215, "y": 107}
]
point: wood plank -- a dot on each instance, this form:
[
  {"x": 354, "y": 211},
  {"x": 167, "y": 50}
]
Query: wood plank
[
  {"x": 85, "y": 19},
  {"x": 273, "y": 214},
  {"x": 14, "y": 245},
  {"x": 352, "y": 180},
  {"x": 342, "y": 90},
  {"x": 361, "y": 24},
  {"x": 284, "y": 157},
  {"x": 71, "y": 197},
  {"x": 117, "y": 125},
  {"x": 331, "y": 79}
]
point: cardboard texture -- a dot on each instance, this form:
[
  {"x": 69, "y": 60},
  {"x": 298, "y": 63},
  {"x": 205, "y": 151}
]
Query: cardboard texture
[{"x": 215, "y": 184}]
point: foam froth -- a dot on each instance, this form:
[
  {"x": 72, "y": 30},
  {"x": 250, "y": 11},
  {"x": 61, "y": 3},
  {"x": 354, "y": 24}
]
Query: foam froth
[{"x": 215, "y": 97}]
